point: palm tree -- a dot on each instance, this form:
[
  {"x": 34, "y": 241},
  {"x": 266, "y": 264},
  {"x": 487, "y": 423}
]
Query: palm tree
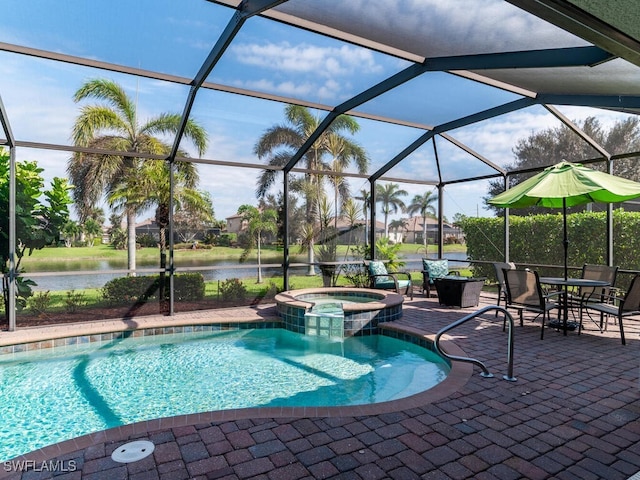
[
  {"x": 70, "y": 230},
  {"x": 112, "y": 124},
  {"x": 280, "y": 142},
  {"x": 92, "y": 229},
  {"x": 389, "y": 196},
  {"x": 396, "y": 225},
  {"x": 423, "y": 204},
  {"x": 153, "y": 189},
  {"x": 365, "y": 198},
  {"x": 351, "y": 213},
  {"x": 258, "y": 222},
  {"x": 342, "y": 152}
]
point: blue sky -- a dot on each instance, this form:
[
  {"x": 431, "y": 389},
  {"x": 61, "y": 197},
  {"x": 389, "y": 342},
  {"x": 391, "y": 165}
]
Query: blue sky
[{"x": 266, "y": 56}]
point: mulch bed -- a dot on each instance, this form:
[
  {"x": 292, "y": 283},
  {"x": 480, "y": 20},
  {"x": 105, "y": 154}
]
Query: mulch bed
[{"x": 33, "y": 319}]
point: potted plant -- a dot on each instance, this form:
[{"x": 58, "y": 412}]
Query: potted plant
[{"x": 327, "y": 256}]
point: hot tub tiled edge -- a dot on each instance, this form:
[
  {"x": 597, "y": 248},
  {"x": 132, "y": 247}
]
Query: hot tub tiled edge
[{"x": 359, "y": 318}]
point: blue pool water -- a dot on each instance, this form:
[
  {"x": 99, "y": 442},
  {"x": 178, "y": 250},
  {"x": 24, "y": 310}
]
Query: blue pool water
[{"x": 56, "y": 394}]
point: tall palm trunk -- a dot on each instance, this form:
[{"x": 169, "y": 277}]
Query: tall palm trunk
[
  {"x": 259, "y": 261},
  {"x": 162, "y": 220},
  {"x": 311, "y": 258},
  {"x": 131, "y": 242},
  {"x": 424, "y": 233}
]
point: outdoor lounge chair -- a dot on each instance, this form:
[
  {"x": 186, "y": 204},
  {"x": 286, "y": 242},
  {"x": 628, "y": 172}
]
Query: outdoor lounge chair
[
  {"x": 525, "y": 293},
  {"x": 432, "y": 269},
  {"x": 617, "y": 306},
  {"x": 380, "y": 278}
]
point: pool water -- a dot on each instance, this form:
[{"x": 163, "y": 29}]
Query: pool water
[
  {"x": 56, "y": 394},
  {"x": 322, "y": 299}
]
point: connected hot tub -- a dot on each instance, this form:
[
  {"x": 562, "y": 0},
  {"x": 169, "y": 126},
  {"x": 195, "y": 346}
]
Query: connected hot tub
[{"x": 362, "y": 308}]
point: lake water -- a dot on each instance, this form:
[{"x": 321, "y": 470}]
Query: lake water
[{"x": 102, "y": 271}]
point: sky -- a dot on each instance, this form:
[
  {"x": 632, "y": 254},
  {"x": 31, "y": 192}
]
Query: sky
[{"x": 266, "y": 56}]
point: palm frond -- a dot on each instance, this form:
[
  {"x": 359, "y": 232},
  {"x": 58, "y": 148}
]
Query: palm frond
[{"x": 111, "y": 93}]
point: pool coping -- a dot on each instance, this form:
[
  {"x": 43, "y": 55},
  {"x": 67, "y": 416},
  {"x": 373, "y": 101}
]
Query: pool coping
[
  {"x": 458, "y": 376},
  {"x": 387, "y": 299}
]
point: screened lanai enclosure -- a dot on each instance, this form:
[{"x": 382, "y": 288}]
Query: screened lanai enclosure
[{"x": 174, "y": 130}]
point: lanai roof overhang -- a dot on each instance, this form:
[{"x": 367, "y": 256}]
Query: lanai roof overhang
[{"x": 578, "y": 53}]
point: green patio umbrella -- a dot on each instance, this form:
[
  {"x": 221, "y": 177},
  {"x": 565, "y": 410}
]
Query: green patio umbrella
[{"x": 565, "y": 185}]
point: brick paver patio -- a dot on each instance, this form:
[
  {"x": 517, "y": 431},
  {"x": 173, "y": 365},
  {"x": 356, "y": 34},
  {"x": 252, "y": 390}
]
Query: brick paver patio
[{"x": 572, "y": 414}]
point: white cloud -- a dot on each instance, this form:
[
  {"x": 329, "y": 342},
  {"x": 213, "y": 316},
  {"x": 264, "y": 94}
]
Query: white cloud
[
  {"x": 436, "y": 27},
  {"x": 286, "y": 88},
  {"x": 311, "y": 59}
]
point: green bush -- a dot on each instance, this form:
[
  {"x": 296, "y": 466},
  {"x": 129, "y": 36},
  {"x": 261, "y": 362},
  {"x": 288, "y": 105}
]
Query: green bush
[
  {"x": 232, "y": 289},
  {"x": 40, "y": 302},
  {"x": 146, "y": 240},
  {"x": 187, "y": 286},
  {"x": 537, "y": 239},
  {"x": 74, "y": 301},
  {"x": 227, "y": 239}
]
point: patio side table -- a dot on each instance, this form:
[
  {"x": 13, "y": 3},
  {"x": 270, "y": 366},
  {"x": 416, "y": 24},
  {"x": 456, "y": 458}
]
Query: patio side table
[{"x": 460, "y": 292}]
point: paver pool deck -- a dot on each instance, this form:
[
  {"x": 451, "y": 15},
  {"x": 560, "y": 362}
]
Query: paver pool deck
[{"x": 573, "y": 413}]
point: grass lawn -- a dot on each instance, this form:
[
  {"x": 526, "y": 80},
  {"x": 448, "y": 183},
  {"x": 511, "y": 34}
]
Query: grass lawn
[{"x": 269, "y": 253}]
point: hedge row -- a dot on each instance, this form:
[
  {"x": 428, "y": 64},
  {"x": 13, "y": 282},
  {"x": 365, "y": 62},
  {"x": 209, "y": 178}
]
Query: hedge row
[
  {"x": 187, "y": 286},
  {"x": 537, "y": 239}
]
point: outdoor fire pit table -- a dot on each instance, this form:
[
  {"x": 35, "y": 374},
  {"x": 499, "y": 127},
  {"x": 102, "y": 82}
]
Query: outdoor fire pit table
[{"x": 455, "y": 291}]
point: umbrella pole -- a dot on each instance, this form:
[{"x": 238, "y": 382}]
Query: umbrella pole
[
  {"x": 565, "y": 239},
  {"x": 565, "y": 244}
]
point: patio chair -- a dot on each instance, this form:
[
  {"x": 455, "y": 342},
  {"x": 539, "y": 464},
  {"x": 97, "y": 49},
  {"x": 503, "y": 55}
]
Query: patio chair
[
  {"x": 585, "y": 295},
  {"x": 380, "y": 278},
  {"x": 432, "y": 269},
  {"x": 617, "y": 306},
  {"x": 502, "y": 289},
  {"x": 524, "y": 293},
  {"x": 598, "y": 294}
]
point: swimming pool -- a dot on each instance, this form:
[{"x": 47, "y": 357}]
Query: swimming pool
[{"x": 57, "y": 394}]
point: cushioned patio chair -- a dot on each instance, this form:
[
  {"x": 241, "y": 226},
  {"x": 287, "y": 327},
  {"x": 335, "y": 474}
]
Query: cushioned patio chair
[
  {"x": 524, "y": 293},
  {"x": 380, "y": 278},
  {"x": 432, "y": 269},
  {"x": 617, "y": 306}
]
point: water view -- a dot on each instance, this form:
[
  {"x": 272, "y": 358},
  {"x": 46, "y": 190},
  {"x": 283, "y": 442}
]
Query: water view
[{"x": 224, "y": 269}]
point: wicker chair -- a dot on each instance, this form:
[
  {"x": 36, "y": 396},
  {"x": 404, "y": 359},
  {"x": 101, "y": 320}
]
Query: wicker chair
[
  {"x": 380, "y": 278},
  {"x": 432, "y": 269}
]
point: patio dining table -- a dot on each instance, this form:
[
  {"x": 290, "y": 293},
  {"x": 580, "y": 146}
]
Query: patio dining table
[{"x": 565, "y": 283}]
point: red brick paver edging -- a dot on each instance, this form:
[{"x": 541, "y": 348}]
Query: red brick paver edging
[{"x": 572, "y": 414}]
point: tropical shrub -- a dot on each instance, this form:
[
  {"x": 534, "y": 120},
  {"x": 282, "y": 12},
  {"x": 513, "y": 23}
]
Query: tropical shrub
[
  {"x": 232, "y": 290},
  {"x": 40, "y": 216},
  {"x": 390, "y": 252},
  {"x": 74, "y": 301},
  {"x": 187, "y": 286},
  {"x": 146, "y": 240},
  {"x": 227, "y": 240},
  {"x": 40, "y": 301}
]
